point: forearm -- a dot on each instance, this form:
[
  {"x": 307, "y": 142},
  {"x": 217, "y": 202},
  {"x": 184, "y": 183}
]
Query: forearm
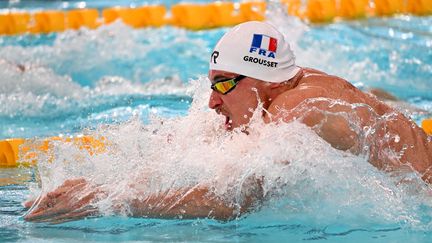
[
  {"x": 196, "y": 202},
  {"x": 77, "y": 199}
]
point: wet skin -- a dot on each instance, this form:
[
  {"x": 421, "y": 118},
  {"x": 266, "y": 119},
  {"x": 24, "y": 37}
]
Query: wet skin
[
  {"x": 309, "y": 95},
  {"x": 238, "y": 105},
  {"x": 308, "y": 98}
]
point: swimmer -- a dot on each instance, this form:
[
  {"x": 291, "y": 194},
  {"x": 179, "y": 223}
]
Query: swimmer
[
  {"x": 252, "y": 64},
  {"x": 289, "y": 92}
]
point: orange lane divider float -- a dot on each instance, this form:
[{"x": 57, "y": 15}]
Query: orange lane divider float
[
  {"x": 418, "y": 7},
  {"x": 349, "y": 9},
  {"x": 218, "y": 14},
  {"x": 389, "y": 7},
  {"x": 78, "y": 18},
  {"x": 14, "y": 23},
  {"x": 18, "y": 151},
  {"x": 319, "y": 11},
  {"x": 21, "y": 152},
  {"x": 427, "y": 126},
  {"x": 146, "y": 16},
  {"x": 192, "y": 16},
  {"x": 48, "y": 21},
  {"x": 202, "y": 16}
]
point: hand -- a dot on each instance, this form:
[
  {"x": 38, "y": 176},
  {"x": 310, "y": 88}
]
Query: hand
[{"x": 71, "y": 201}]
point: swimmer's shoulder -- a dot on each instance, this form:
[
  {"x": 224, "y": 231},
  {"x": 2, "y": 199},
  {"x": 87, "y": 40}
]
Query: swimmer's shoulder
[
  {"x": 315, "y": 78},
  {"x": 307, "y": 86},
  {"x": 293, "y": 97},
  {"x": 312, "y": 84},
  {"x": 321, "y": 84}
]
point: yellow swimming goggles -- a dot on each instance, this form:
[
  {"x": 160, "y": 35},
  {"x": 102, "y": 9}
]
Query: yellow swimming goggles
[{"x": 225, "y": 86}]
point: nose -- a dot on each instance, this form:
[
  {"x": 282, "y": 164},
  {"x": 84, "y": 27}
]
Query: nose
[{"x": 215, "y": 100}]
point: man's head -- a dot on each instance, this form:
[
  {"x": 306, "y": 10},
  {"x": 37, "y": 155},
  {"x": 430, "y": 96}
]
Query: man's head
[{"x": 247, "y": 65}]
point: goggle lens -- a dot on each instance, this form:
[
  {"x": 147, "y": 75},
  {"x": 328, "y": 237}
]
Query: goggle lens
[{"x": 226, "y": 86}]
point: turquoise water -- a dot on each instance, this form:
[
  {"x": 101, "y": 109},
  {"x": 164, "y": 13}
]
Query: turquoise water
[{"x": 139, "y": 80}]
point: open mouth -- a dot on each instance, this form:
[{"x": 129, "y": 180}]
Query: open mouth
[{"x": 228, "y": 121}]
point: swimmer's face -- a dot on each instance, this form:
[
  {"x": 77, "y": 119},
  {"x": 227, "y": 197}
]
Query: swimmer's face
[{"x": 238, "y": 105}]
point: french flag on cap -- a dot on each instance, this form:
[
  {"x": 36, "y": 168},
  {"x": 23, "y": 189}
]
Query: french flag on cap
[{"x": 264, "y": 42}]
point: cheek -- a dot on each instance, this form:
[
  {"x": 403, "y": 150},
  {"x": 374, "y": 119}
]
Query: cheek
[
  {"x": 245, "y": 109},
  {"x": 240, "y": 104},
  {"x": 250, "y": 102}
]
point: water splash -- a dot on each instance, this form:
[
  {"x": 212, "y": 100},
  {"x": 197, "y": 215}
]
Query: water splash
[
  {"x": 43, "y": 83},
  {"x": 304, "y": 178}
]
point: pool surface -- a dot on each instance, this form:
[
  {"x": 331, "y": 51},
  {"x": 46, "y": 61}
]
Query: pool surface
[{"x": 138, "y": 87}]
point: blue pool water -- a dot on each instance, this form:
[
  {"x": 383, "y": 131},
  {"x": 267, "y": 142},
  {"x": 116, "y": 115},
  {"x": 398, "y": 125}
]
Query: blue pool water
[{"x": 136, "y": 86}]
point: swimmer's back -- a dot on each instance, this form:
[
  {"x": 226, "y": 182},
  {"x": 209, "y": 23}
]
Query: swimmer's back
[{"x": 397, "y": 140}]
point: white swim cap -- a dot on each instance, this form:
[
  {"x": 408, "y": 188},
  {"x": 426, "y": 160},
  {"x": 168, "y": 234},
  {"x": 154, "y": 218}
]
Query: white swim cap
[{"x": 257, "y": 50}]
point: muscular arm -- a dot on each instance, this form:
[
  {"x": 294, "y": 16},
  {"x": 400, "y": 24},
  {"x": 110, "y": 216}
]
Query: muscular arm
[
  {"x": 76, "y": 199},
  {"x": 338, "y": 124},
  {"x": 196, "y": 202},
  {"x": 329, "y": 121}
]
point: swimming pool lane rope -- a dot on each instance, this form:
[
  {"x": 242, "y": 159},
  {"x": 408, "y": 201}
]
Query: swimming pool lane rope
[
  {"x": 25, "y": 152},
  {"x": 202, "y": 16}
]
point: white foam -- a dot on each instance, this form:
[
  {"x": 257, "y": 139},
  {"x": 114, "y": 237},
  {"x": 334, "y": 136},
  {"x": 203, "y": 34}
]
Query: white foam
[
  {"x": 37, "y": 91},
  {"x": 114, "y": 60},
  {"x": 303, "y": 175}
]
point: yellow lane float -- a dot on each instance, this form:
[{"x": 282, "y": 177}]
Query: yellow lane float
[
  {"x": 321, "y": 10},
  {"x": 427, "y": 126},
  {"x": 18, "y": 151},
  {"x": 78, "y": 18},
  {"x": 48, "y": 21},
  {"x": 22, "y": 152},
  {"x": 419, "y": 7},
  {"x": 350, "y": 9},
  {"x": 139, "y": 17},
  {"x": 253, "y": 10},
  {"x": 227, "y": 14},
  {"x": 388, "y": 7},
  {"x": 203, "y": 16},
  {"x": 218, "y": 14},
  {"x": 191, "y": 16},
  {"x": 14, "y": 23}
]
